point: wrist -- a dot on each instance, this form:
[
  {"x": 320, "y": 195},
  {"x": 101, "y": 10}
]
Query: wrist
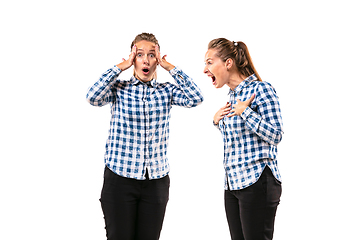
[
  {"x": 122, "y": 66},
  {"x": 170, "y": 67}
]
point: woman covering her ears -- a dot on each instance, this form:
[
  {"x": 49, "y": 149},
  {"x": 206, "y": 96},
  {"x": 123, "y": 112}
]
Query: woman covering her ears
[
  {"x": 136, "y": 182},
  {"x": 251, "y": 127}
]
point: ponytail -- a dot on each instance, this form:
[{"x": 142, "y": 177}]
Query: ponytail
[{"x": 243, "y": 61}]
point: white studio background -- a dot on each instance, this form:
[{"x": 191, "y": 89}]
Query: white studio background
[{"x": 52, "y": 140}]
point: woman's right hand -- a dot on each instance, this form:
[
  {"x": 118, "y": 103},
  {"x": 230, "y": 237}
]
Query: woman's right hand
[
  {"x": 222, "y": 113},
  {"x": 125, "y": 64}
]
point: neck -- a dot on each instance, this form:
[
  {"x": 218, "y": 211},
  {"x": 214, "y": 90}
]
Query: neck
[{"x": 235, "y": 79}]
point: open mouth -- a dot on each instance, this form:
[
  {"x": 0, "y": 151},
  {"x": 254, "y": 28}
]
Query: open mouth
[
  {"x": 213, "y": 80},
  {"x": 145, "y": 71}
]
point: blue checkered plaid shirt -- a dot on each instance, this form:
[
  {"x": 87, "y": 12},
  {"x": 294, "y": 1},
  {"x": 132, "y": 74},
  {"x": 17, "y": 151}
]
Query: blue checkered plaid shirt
[
  {"x": 140, "y": 114},
  {"x": 251, "y": 139}
]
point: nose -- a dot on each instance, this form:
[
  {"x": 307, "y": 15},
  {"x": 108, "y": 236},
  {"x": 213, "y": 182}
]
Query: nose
[
  {"x": 206, "y": 70},
  {"x": 146, "y": 59}
]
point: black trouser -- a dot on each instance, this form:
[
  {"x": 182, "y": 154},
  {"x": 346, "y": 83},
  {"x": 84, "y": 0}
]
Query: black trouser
[
  {"x": 133, "y": 209},
  {"x": 251, "y": 211}
]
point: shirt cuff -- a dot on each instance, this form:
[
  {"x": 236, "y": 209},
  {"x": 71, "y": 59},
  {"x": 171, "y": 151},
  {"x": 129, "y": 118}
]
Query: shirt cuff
[
  {"x": 180, "y": 77},
  {"x": 175, "y": 70},
  {"x": 116, "y": 69},
  {"x": 246, "y": 113},
  {"x": 217, "y": 125}
]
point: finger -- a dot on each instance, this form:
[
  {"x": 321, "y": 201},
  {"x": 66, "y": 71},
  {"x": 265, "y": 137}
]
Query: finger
[
  {"x": 231, "y": 115},
  {"x": 251, "y": 98},
  {"x": 228, "y": 105},
  {"x": 133, "y": 51},
  {"x": 123, "y": 59},
  {"x": 157, "y": 52},
  {"x": 224, "y": 113},
  {"x": 225, "y": 109}
]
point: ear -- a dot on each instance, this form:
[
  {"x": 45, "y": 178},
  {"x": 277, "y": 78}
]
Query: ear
[{"x": 229, "y": 63}]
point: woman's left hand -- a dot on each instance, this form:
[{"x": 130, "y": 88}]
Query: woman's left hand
[
  {"x": 162, "y": 61},
  {"x": 240, "y": 107}
]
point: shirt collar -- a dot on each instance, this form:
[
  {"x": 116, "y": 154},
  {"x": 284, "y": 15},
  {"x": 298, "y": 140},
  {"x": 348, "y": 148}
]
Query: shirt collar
[
  {"x": 244, "y": 84},
  {"x": 135, "y": 81}
]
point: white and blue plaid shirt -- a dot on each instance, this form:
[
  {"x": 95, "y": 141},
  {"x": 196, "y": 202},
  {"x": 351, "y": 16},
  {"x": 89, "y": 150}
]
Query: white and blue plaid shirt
[
  {"x": 140, "y": 114},
  {"x": 251, "y": 139}
]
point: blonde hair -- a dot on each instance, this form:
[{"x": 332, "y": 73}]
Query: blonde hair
[
  {"x": 147, "y": 37},
  {"x": 237, "y": 51}
]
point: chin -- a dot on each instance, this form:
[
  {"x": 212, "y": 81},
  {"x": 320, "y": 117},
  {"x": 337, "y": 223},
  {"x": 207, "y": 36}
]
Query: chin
[
  {"x": 218, "y": 85},
  {"x": 144, "y": 78}
]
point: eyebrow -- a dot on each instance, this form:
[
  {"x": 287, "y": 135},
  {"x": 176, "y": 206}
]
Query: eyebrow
[{"x": 140, "y": 49}]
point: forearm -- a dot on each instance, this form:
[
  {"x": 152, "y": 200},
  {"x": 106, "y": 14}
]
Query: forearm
[
  {"x": 188, "y": 94},
  {"x": 100, "y": 93},
  {"x": 267, "y": 131}
]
